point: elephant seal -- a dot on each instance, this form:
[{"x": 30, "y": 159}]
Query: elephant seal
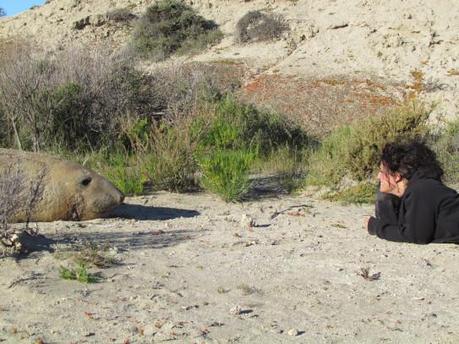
[{"x": 63, "y": 190}]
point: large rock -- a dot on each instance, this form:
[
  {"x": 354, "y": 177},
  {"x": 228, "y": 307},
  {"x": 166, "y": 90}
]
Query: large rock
[{"x": 64, "y": 190}]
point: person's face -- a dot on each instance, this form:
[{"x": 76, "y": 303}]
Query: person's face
[{"x": 387, "y": 180}]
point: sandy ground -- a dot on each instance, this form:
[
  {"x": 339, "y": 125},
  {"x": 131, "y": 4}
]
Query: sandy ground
[{"x": 192, "y": 270}]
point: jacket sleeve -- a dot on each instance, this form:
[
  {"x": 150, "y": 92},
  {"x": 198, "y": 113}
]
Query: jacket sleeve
[{"x": 415, "y": 224}]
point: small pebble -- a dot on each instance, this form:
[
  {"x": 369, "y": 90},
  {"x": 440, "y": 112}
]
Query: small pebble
[{"x": 293, "y": 332}]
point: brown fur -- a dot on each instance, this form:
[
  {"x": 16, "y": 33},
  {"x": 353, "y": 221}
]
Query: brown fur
[{"x": 68, "y": 190}]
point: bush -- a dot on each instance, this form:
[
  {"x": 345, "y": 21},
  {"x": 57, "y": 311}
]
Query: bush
[
  {"x": 250, "y": 134},
  {"x": 120, "y": 15},
  {"x": 257, "y": 26},
  {"x": 239, "y": 126},
  {"x": 171, "y": 26},
  {"x": 225, "y": 172},
  {"x": 353, "y": 151},
  {"x": 125, "y": 173},
  {"x": 446, "y": 146},
  {"x": 171, "y": 165},
  {"x": 70, "y": 100},
  {"x": 183, "y": 88},
  {"x": 175, "y": 148}
]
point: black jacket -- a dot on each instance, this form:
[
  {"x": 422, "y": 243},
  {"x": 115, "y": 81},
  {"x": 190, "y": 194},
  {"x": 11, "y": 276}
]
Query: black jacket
[{"x": 428, "y": 212}]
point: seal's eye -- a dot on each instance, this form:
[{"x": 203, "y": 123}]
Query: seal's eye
[{"x": 86, "y": 181}]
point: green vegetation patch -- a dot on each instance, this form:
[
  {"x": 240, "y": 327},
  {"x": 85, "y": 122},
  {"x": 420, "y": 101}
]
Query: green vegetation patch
[
  {"x": 446, "y": 146},
  {"x": 171, "y": 163},
  {"x": 352, "y": 152},
  {"x": 80, "y": 273},
  {"x": 171, "y": 26},
  {"x": 225, "y": 172},
  {"x": 236, "y": 136}
]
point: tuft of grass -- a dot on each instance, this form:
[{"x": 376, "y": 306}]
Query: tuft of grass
[
  {"x": 226, "y": 173},
  {"x": 171, "y": 26},
  {"x": 80, "y": 274},
  {"x": 353, "y": 151}
]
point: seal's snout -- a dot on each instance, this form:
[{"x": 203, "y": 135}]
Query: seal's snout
[{"x": 121, "y": 198}]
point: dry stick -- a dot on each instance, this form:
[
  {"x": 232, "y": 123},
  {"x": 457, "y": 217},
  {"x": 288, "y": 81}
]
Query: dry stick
[{"x": 277, "y": 213}]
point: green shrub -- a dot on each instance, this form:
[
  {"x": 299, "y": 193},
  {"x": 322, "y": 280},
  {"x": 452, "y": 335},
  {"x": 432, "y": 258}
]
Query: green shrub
[
  {"x": 233, "y": 136},
  {"x": 171, "y": 26},
  {"x": 80, "y": 274},
  {"x": 353, "y": 151},
  {"x": 258, "y": 26},
  {"x": 63, "y": 118},
  {"x": 446, "y": 146},
  {"x": 225, "y": 172},
  {"x": 73, "y": 99},
  {"x": 171, "y": 165},
  {"x": 125, "y": 173},
  {"x": 240, "y": 126}
]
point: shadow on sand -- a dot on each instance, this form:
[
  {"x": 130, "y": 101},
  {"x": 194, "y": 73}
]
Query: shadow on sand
[
  {"x": 141, "y": 212},
  {"x": 275, "y": 186},
  {"x": 152, "y": 239}
]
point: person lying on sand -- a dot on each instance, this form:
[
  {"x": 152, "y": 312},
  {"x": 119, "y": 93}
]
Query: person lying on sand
[{"x": 413, "y": 205}]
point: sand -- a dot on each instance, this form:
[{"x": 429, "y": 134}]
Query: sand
[{"x": 193, "y": 269}]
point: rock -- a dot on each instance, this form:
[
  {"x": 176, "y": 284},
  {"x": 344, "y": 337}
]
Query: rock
[
  {"x": 236, "y": 310},
  {"x": 293, "y": 332}
]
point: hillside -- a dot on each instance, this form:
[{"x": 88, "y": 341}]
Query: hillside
[{"x": 340, "y": 59}]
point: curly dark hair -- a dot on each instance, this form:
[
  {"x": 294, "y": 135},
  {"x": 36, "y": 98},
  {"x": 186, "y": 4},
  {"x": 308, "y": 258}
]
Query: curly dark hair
[{"x": 409, "y": 158}]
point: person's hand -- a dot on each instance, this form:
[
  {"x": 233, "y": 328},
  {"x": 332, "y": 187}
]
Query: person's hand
[{"x": 366, "y": 223}]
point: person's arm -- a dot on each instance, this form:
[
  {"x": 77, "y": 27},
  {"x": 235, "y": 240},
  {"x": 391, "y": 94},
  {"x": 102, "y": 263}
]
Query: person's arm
[{"x": 415, "y": 224}]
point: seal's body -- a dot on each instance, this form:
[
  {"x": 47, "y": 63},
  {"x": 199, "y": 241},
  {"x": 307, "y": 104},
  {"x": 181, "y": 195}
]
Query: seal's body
[{"x": 64, "y": 190}]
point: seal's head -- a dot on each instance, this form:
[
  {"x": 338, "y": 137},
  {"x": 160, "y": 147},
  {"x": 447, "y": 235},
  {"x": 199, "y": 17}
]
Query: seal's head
[{"x": 82, "y": 193}]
